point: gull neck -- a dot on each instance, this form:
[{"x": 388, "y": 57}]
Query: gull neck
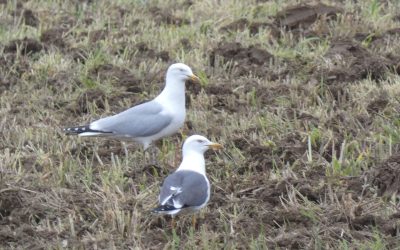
[
  {"x": 174, "y": 91},
  {"x": 193, "y": 161}
]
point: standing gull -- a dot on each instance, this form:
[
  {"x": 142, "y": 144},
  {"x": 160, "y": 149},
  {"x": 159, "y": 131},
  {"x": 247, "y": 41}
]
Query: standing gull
[
  {"x": 149, "y": 121},
  {"x": 187, "y": 190}
]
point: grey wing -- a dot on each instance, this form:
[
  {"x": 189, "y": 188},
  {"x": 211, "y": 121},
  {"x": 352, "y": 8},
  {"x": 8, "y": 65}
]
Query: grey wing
[
  {"x": 143, "y": 120},
  {"x": 184, "y": 189}
]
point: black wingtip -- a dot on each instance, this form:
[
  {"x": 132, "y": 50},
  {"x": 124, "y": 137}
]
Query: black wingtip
[
  {"x": 79, "y": 129},
  {"x": 163, "y": 209}
]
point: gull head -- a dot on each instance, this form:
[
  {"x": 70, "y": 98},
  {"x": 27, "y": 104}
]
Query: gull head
[
  {"x": 181, "y": 72},
  {"x": 200, "y": 144}
]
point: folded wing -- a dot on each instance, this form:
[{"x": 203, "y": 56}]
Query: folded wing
[
  {"x": 140, "y": 121},
  {"x": 183, "y": 189}
]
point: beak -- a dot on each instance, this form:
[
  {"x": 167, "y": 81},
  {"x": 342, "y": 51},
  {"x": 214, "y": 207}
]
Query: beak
[
  {"x": 194, "y": 79},
  {"x": 215, "y": 146}
]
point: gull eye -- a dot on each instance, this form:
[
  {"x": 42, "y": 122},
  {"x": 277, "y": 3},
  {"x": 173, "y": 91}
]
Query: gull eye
[{"x": 200, "y": 141}]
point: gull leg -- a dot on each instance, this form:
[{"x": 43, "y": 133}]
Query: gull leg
[
  {"x": 152, "y": 155},
  {"x": 173, "y": 223},
  {"x": 176, "y": 160},
  {"x": 125, "y": 150},
  {"x": 194, "y": 221}
]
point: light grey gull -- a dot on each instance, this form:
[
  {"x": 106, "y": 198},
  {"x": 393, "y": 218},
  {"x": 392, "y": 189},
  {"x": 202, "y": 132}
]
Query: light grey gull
[{"x": 149, "y": 121}]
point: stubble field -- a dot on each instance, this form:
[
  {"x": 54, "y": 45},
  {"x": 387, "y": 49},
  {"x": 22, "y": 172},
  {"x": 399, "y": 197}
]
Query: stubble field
[{"x": 303, "y": 97}]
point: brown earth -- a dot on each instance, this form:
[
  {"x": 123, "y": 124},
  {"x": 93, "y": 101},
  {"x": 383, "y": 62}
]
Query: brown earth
[
  {"x": 348, "y": 61},
  {"x": 28, "y": 17},
  {"x": 118, "y": 76},
  {"x": 298, "y": 19},
  {"x": 254, "y": 27},
  {"x": 54, "y": 37},
  {"x": 247, "y": 60},
  {"x": 164, "y": 16},
  {"x": 26, "y": 46},
  {"x": 303, "y": 16},
  {"x": 386, "y": 176},
  {"x": 146, "y": 52}
]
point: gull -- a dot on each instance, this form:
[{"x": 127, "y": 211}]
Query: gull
[
  {"x": 187, "y": 190},
  {"x": 149, "y": 121}
]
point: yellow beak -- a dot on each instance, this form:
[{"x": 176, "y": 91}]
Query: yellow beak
[
  {"x": 215, "y": 146},
  {"x": 194, "y": 79}
]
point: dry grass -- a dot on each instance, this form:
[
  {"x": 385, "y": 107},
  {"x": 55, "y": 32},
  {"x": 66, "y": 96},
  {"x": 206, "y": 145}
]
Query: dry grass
[{"x": 307, "y": 116}]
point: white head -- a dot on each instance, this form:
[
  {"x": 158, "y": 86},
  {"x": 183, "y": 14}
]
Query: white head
[
  {"x": 180, "y": 72},
  {"x": 199, "y": 144}
]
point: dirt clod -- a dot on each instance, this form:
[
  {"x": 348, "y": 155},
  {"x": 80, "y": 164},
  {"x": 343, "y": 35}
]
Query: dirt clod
[
  {"x": 78, "y": 54},
  {"x": 118, "y": 76},
  {"x": 386, "y": 176},
  {"x": 185, "y": 43},
  {"x": 94, "y": 96},
  {"x": 254, "y": 27},
  {"x": 236, "y": 52},
  {"x": 347, "y": 61},
  {"x": 29, "y": 18},
  {"x": 378, "y": 104},
  {"x": 164, "y": 16},
  {"x": 146, "y": 52},
  {"x": 54, "y": 36},
  {"x": 248, "y": 60},
  {"x": 303, "y": 16},
  {"x": 26, "y": 46},
  {"x": 361, "y": 222},
  {"x": 238, "y": 25},
  {"x": 97, "y": 35}
]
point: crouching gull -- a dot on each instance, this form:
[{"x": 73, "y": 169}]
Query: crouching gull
[
  {"x": 149, "y": 121},
  {"x": 187, "y": 190}
]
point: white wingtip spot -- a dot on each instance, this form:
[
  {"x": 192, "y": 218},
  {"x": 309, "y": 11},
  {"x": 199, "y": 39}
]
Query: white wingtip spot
[
  {"x": 177, "y": 189},
  {"x": 76, "y": 129}
]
